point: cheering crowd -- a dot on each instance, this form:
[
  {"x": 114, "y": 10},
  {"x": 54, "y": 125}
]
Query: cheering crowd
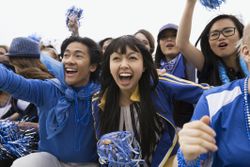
[{"x": 129, "y": 100}]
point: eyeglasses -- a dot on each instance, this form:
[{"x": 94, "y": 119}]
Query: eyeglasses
[{"x": 227, "y": 32}]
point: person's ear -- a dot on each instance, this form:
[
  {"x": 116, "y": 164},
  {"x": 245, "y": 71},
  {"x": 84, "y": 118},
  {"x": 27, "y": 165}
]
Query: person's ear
[
  {"x": 245, "y": 53},
  {"x": 245, "y": 50},
  {"x": 93, "y": 67}
]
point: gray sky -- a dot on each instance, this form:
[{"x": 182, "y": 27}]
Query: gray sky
[{"x": 103, "y": 18}]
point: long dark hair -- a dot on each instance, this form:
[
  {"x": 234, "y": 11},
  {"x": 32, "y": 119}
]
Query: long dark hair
[
  {"x": 109, "y": 120},
  {"x": 211, "y": 57},
  {"x": 93, "y": 50},
  {"x": 158, "y": 56}
]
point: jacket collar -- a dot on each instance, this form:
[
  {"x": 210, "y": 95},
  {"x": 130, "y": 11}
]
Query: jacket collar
[{"x": 135, "y": 97}]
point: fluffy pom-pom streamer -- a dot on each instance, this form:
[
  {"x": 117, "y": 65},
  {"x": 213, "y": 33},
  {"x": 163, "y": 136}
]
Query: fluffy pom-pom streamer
[
  {"x": 212, "y": 4},
  {"x": 37, "y": 38},
  {"x": 119, "y": 149},
  {"x": 74, "y": 12},
  {"x": 15, "y": 142}
]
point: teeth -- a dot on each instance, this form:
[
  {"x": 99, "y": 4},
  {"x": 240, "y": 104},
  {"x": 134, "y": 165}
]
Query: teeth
[
  {"x": 125, "y": 75},
  {"x": 70, "y": 69}
]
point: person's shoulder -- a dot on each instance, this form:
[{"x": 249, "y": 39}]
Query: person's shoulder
[
  {"x": 56, "y": 83},
  {"x": 223, "y": 95},
  {"x": 53, "y": 81},
  {"x": 234, "y": 86},
  {"x": 217, "y": 98}
]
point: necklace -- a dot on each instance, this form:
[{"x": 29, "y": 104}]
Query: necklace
[{"x": 246, "y": 107}]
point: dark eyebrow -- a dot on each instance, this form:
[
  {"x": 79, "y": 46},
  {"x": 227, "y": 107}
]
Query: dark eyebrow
[
  {"x": 215, "y": 31},
  {"x": 222, "y": 29},
  {"x": 76, "y": 51},
  {"x": 79, "y": 51}
]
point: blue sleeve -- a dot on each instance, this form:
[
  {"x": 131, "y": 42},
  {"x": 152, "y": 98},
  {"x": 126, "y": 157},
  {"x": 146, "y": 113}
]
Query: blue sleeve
[
  {"x": 31, "y": 90},
  {"x": 54, "y": 67},
  {"x": 201, "y": 109},
  {"x": 180, "y": 89}
]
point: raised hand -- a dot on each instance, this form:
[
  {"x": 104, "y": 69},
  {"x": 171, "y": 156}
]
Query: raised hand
[
  {"x": 73, "y": 25},
  {"x": 196, "y": 138}
]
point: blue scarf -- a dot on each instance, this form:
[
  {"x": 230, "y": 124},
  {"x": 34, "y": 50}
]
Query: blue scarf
[
  {"x": 223, "y": 74},
  {"x": 58, "y": 117},
  {"x": 169, "y": 66},
  {"x": 175, "y": 66}
]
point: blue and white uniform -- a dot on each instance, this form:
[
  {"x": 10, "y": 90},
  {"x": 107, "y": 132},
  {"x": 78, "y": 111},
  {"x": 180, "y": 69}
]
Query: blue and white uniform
[{"x": 225, "y": 106}]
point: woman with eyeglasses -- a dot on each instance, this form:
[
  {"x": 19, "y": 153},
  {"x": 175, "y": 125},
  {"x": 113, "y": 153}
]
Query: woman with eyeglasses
[
  {"x": 219, "y": 134},
  {"x": 217, "y": 61}
]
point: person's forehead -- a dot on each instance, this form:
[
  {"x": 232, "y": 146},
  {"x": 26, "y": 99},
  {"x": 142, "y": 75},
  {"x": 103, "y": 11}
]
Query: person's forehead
[
  {"x": 76, "y": 46},
  {"x": 222, "y": 23}
]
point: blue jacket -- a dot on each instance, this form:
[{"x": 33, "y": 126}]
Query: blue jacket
[
  {"x": 65, "y": 121},
  {"x": 168, "y": 88},
  {"x": 227, "y": 111}
]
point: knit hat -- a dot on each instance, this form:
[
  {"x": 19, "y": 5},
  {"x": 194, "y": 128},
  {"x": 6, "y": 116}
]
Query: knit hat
[
  {"x": 24, "y": 47},
  {"x": 168, "y": 26}
]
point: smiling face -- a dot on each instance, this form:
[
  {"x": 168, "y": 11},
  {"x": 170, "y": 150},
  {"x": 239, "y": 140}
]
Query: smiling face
[
  {"x": 167, "y": 43},
  {"x": 224, "y": 46},
  {"x": 126, "y": 69},
  {"x": 77, "y": 67}
]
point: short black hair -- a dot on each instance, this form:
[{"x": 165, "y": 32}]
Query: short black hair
[{"x": 93, "y": 50}]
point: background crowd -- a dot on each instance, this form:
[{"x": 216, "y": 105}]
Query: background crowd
[{"x": 184, "y": 103}]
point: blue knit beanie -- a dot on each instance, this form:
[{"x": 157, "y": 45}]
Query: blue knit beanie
[{"x": 24, "y": 47}]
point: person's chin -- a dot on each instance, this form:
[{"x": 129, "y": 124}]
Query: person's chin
[{"x": 69, "y": 82}]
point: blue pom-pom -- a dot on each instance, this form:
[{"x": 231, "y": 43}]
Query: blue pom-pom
[
  {"x": 15, "y": 142},
  {"x": 74, "y": 12},
  {"x": 212, "y": 4},
  {"x": 119, "y": 149},
  {"x": 35, "y": 37}
]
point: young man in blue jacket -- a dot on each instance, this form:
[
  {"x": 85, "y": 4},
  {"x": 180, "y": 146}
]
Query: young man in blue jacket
[{"x": 66, "y": 127}]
